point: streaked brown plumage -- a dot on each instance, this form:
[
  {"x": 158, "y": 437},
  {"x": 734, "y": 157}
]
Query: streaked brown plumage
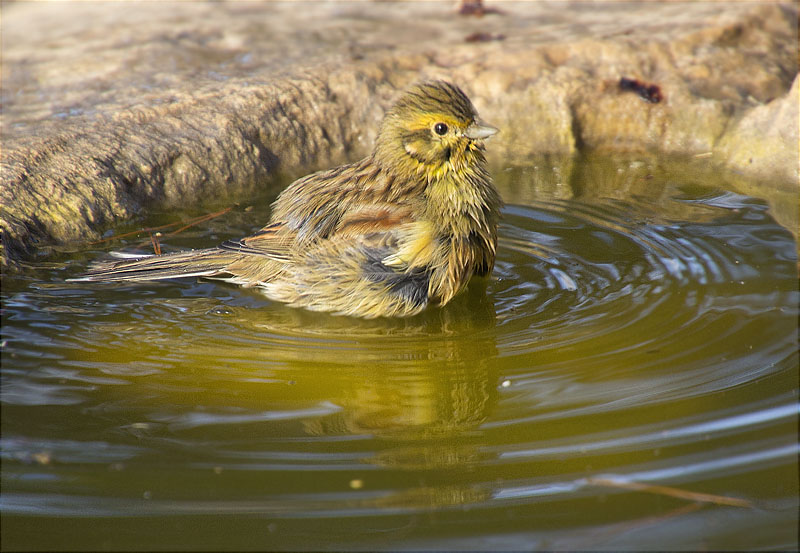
[{"x": 403, "y": 228}]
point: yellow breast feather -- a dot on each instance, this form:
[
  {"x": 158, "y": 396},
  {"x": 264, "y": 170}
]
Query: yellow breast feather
[{"x": 417, "y": 246}]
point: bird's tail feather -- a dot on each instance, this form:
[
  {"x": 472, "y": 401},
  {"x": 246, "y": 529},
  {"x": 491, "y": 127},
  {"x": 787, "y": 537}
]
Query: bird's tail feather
[{"x": 195, "y": 263}]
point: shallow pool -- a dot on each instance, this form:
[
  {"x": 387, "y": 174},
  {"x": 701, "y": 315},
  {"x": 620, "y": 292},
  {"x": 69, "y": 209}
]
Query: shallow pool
[{"x": 627, "y": 378}]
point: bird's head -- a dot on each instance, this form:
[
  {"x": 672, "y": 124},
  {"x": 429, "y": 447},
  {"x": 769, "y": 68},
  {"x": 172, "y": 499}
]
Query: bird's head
[{"x": 431, "y": 131}]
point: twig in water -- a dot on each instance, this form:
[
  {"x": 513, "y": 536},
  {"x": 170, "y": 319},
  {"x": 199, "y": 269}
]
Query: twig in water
[
  {"x": 672, "y": 492},
  {"x": 156, "y": 245},
  {"x": 198, "y": 220},
  {"x": 186, "y": 224}
]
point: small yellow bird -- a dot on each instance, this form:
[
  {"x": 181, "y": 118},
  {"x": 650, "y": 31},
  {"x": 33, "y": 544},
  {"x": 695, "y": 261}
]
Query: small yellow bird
[{"x": 404, "y": 228}]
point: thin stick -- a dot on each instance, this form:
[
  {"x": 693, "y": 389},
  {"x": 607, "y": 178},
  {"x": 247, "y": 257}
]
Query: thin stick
[
  {"x": 198, "y": 220},
  {"x": 156, "y": 245},
  {"x": 133, "y": 232},
  {"x": 187, "y": 224},
  {"x": 672, "y": 492}
]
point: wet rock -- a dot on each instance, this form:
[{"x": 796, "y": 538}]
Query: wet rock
[{"x": 109, "y": 112}]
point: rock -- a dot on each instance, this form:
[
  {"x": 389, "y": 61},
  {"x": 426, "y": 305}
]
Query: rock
[
  {"x": 762, "y": 142},
  {"x": 108, "y": 112}
]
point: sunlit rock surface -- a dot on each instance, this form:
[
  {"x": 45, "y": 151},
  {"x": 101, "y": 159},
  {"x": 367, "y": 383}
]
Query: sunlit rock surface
[{"x": 110, "y": 109}]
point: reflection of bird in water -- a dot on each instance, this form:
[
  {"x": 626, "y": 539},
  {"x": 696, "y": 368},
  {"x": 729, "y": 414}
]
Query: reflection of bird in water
[
  {"x": 433, "y": 386},
  {"x": 421, "y": 406},
  {"x": 404, "y": 228}
]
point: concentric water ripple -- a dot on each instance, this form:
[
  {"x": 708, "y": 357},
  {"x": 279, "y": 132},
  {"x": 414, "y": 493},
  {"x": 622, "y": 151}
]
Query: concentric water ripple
[{"x": 614, "y": 344}]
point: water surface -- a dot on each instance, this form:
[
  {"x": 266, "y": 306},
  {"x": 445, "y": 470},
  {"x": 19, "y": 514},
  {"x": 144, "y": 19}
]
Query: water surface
[{"x": 640, "y": 329}]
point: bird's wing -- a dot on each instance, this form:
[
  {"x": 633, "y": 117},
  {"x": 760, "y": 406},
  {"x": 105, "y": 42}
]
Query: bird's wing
[
  {"x": 390, "y": 231},
  {"x": 371, "y": 219},
  {"x": 363, "y": 238},
  {"x": 370, "y": 224},
  {"x": 316, "y": 205}
]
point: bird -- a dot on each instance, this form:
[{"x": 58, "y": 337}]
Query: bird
[{"x": 403, "y": 229}]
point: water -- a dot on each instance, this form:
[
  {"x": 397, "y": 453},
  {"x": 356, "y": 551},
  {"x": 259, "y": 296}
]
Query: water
[{"x": 637, "y": 344}]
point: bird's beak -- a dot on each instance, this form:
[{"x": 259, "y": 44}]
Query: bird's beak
[{"x": 479, "y": 130}]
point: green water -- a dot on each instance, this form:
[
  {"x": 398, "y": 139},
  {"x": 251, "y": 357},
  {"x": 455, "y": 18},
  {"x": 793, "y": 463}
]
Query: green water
[{"x": 640, "y": 326}]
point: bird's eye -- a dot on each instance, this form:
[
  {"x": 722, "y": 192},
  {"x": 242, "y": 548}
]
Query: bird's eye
[{"x": 440, "y": 128}]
